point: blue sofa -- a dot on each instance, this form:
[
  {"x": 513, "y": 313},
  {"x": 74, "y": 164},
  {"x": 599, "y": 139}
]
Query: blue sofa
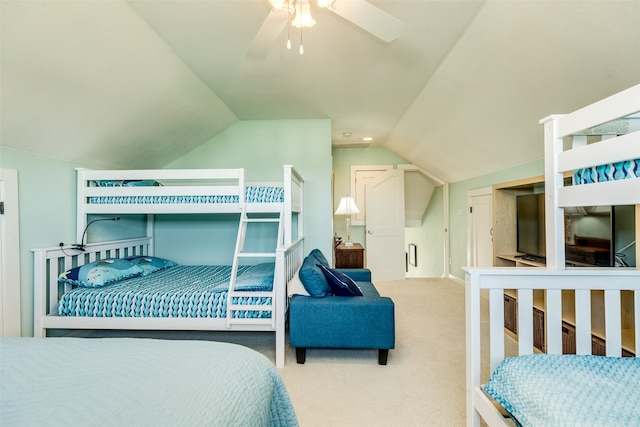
[{"x": 326, "y": 320}]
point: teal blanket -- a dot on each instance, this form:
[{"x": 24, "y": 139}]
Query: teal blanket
[
  {"x": 138, "y": 382},
  {"x": 568, "y": 390}
]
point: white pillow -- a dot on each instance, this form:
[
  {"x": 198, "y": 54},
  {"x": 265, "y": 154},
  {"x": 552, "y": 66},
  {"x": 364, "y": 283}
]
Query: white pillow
[{"x": 295, "y": 286}]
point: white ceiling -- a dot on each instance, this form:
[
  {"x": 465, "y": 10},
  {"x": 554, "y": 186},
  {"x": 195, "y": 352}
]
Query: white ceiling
[{"x": 136, "y": 84}]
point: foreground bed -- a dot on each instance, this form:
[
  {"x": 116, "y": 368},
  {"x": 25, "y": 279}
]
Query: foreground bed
[
  {"x": 598, "y": 148},
  {"x": 109, "y": 382}
]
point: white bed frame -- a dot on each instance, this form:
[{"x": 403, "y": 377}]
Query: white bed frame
[
  {"x": 186, "y": 182},
  {"x": 481, "y": 283},
  {"x": 50, "y": 262}
]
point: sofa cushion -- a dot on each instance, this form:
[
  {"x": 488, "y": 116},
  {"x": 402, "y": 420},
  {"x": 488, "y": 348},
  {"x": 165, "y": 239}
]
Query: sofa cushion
[
  {"x": 340, "y": 283},
  {"x": 313, "y": 279}
]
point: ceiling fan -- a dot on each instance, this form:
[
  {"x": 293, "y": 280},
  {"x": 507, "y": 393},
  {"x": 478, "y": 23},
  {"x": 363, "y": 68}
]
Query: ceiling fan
[{"x": 297, "y": 13}]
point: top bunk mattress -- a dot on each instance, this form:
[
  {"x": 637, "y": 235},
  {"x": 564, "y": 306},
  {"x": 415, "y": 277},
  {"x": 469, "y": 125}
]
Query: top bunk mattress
[
  {"x": 253, "y": 194},
  {"x": 608, "y": 172}
]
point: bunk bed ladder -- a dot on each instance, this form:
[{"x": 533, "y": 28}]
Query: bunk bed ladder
[{"x": 235, "y": 309}]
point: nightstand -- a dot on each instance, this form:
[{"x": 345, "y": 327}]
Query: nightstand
[{"x": 349, "y": 256}]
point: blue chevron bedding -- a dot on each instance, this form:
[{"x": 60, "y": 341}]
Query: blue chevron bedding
[
  {"x": 138, "y": 382},
  {"x": 609, "y": 172},
  {"x": 568, "y": 390},
  {"x": 178, "y": 291},
  {"x": 253, "y": 194}
]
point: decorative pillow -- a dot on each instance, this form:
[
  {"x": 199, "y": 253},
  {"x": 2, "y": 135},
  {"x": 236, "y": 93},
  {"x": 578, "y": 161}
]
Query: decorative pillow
[
  {"x": 320, "y": 257},
  {"x": 100, "y": 273},
  {"x": 295, "y": 286},
  {"x": 340, "y": 283},
  {"x": 150, "y": 264},
  {"x": 313, "y": 279}
]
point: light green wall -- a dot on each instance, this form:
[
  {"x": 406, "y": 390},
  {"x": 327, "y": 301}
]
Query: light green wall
[
  {"x": 46, "y": 191},
  {"x": 262, "y": 147},
  {"x": 458, "y": 208}
]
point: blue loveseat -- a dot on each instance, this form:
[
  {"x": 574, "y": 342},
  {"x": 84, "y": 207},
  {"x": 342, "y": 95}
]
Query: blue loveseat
[{"x": 328, "y": 318}]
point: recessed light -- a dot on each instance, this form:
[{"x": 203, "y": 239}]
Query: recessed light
[
  {"x": 346, "y": 134},
  {"x": 367, "y": 138}
]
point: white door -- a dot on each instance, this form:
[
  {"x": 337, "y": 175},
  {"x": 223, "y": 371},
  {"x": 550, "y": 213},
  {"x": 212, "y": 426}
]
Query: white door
[
  {"x": 9, "y": 254},
  {"x": 480, "y": 226},
  {"x": 385, "y": 250},
  {"x": 360, "y": 177}
]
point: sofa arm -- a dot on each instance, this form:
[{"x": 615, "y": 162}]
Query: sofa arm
[{"x": 357, "y": 274}]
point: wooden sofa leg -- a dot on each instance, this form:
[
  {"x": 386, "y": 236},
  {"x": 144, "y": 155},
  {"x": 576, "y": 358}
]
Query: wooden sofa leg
[
  {"x": 301, "y": 355},
  {"x": 383, "y": 355}
]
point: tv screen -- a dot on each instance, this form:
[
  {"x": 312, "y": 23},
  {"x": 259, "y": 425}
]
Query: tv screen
[{"x": 530, "y": 225}]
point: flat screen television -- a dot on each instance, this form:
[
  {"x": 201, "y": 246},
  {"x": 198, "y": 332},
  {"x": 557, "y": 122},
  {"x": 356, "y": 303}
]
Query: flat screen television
[{"x": 530, "y": 225}]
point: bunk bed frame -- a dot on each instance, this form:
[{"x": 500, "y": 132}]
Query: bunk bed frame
[
  {"x": 555, "y": 280},
  {"x": 201, "y": 186}
]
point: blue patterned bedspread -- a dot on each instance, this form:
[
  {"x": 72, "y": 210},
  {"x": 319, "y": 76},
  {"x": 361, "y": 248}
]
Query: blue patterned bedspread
[
  {"x": 568, "y": 390},
  {"x": 138, "y": 382},
  {"x": 179, "y": 291},
  {"x": 253, "y": 194}
]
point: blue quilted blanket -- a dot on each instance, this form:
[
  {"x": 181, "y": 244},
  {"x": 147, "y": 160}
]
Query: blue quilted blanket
[
  {"x": 179, "y": 291},
  {"x": 568, "y": 390},
  {"x": 138, "y": 382},
  {"x": 253, "y": 194}
]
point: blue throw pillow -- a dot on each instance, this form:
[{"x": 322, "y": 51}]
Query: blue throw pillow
[
  {"x": 150, "y": 264},
  {"x": 99, "y": 273},
  {"x": 341, "y": 284},
  {"x": 320, "y": 257},
  {"x": 313, "y": 279}
]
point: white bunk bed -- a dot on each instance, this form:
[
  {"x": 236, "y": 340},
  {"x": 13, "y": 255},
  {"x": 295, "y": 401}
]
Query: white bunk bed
[
  {"x": 170, "y": 192},
  {"x": 596, "y": 136}
]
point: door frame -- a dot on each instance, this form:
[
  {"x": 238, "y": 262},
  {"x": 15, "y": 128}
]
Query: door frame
[
  {"x": 10, "y": 316},
  {"x": 485, "y": 191}
]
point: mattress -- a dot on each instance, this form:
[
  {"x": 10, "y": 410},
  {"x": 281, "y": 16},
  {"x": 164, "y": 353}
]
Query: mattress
[
  {"x": 568, "y": 390},
  {"x": 608, "y": 172},
  {"x": 253, "y": 194},
  {"x": 181, "y": 291},
  {"x": 138, "y": 382}
]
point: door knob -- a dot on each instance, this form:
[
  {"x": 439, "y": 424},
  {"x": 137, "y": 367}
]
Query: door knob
[{"x": 369, "y": 232}]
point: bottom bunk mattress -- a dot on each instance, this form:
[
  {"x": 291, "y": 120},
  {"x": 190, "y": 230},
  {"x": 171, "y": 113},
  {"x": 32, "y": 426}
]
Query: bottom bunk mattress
[
  {"x": 568, "y": 390},
  {"x": 138, "y": 382},
  {"x": 198, "y": 291}
]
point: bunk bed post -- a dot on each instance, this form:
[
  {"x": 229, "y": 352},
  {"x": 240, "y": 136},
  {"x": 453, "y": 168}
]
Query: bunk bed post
[
  {"x": 472, "y": 304},
  {"x": 288, "y": 203},
  {"x": 39, "y": 292},
  {"x": 554, "y": 215},
  {"x": 81, "y": 217}
]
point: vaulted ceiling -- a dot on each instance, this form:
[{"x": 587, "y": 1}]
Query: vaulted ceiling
[{"x": 139, "y": 83}]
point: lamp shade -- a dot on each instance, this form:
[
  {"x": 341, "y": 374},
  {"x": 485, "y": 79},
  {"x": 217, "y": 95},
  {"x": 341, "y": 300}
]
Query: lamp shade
[{"x": 347, "y": 206}]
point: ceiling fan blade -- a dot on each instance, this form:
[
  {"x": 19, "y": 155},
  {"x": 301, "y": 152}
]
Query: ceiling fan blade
[
  {"x": 267, "y": 34},
  {"x": 370, "y": 18}
]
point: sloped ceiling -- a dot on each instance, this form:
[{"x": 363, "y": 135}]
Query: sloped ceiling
[{"x": 136, "y": 84}]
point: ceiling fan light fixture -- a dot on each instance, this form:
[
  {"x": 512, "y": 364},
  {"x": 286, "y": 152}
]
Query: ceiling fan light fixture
[{"x": 303, "y": 18}]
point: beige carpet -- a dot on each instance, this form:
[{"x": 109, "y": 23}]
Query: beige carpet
[{"x": 422, "y": 385}]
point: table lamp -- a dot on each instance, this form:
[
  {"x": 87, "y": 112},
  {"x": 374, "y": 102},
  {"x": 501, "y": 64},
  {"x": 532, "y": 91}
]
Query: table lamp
[{"x": 347, "y": 207}]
